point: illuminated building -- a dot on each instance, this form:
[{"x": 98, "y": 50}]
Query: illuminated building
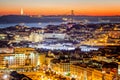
[
  {"x": 36, "y": 37},
  {"x": 21, "y": 38},
  {"x": 83, "y": 73},
  {"x": 54, "y": 35},
  {"x": 40, "y": 36},
  {"x": 26, "y": 56},
  {"x": 114, "y": 36},
  {"x": 53, "y": 46},
  {"x": 41, "y": 59},
  {"x": 61, "y": 68},
  {"x": 86, "y": 48},
  {"x": 21, "y": 57},
  {"x": 48, "y": 59},
  {"x": 118, "y": 71},
  {"x": 3, "y": 36}
]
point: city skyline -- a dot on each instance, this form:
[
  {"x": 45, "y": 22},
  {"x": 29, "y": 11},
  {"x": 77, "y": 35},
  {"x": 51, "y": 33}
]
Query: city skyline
[{"x": 61, "y": 7}]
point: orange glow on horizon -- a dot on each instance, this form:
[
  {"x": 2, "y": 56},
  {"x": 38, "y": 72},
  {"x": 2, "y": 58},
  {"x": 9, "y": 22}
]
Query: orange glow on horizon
[
  {"x": 94, "y": 12},
  {"x": 61, "y": 7}
]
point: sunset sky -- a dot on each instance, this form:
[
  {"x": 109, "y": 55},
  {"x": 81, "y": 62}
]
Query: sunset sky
[{"x": 60, "y": 7}]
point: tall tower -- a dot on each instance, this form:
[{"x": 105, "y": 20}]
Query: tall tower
[
  {"x": 72, "y": 12},
  {"x": 72, "y": 15},
  {"x": 21, "y": 11}
]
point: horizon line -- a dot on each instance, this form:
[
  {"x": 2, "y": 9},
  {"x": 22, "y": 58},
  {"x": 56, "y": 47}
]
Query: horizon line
[{"x": 54, "y": 15}]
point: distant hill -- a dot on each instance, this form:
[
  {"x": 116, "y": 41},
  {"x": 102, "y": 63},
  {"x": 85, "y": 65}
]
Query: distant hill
[{"x": 28, "y": 19}]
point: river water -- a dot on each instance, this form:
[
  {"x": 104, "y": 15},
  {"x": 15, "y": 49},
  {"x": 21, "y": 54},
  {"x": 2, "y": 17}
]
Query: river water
[{"x": 41, "y": 25}]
